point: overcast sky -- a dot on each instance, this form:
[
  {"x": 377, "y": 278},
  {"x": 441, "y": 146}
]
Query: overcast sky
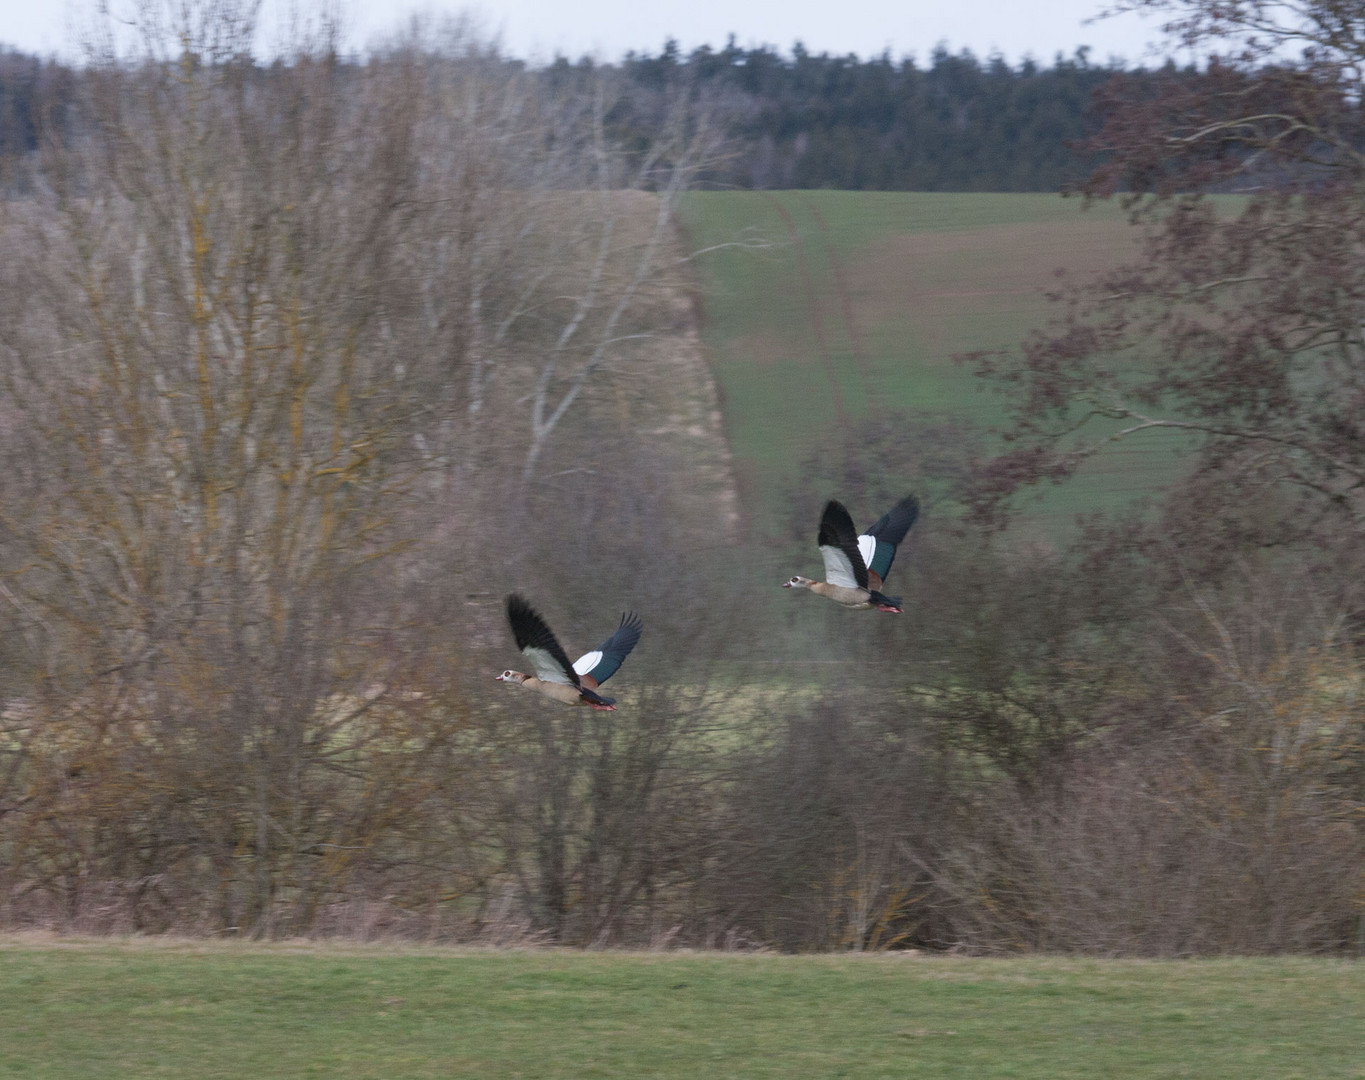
[{"x": 537, "y": 29}]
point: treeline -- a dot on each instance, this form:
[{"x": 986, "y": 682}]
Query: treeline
[
  {"x": 801, "y": 121},
  {"x": 33, "y": 93},
  {"x": 813, "y": 120}
]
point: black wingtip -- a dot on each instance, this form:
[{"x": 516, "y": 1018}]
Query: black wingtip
[
  {"x": 523, "y": 618},
  {"x": 892, "y": 526},
  {"x": 632, "y": 626},
  {"x": 531, "y": 631},
  {"x": 836, "y": 525},
  {"x": 837, "y": 531},
  {"x": 617, "y": 647}
]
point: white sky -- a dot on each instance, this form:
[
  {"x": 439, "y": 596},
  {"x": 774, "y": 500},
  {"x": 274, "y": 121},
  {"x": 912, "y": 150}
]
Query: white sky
[{"x": 536, "y": 29}]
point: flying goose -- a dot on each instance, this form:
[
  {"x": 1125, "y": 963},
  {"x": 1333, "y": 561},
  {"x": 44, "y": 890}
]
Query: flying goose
[
  {"x": 555, "y": 677},
  {"x": 856, "y": 566}
]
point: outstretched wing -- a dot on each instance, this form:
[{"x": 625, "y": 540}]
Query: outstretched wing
[
  {"x": 538, "y": 643},
  {"x": 598, "y": 666},
  {"x": 878, "y": 545},
  {"x": 838, "y": 542}
]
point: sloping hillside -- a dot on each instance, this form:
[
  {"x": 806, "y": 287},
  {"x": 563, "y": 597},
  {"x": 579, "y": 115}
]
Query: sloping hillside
[{"x": 833, "y": 307}]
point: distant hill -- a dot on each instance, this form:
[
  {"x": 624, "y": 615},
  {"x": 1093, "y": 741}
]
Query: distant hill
[{"x": 833, "y": 330}]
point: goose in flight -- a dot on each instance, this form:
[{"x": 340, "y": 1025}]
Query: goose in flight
[
  {"x": 555, "y": 677},
  {"x": 856, "y": 566}
]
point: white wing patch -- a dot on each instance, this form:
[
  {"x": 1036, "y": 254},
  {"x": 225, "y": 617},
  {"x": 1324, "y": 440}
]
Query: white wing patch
[
  {"x": 587, "y": 661},
  {"x": 867, "y": 547},
  {"x": 546, "y": 668},
  {"x": 838, "y": 570}
]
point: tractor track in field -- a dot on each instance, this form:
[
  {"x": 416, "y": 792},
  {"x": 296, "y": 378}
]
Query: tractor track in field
[
  {"x": 812, "y": 305},
  {"x": 836, "y": 264}
]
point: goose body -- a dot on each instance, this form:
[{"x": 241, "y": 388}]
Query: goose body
[
  {"x": 856, "y": 566},
  {"x": 555, "y": 677}
]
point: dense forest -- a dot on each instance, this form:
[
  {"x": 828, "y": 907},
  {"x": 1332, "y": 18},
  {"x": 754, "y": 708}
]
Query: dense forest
[
  {"x": 808, "y": 120},
  {"x": 820, "y": 121}
]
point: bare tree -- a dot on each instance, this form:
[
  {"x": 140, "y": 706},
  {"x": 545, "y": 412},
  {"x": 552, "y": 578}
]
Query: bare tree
[
  {"x": 1239, "y": 329},
  {"x": 553, "y": 247},
  {"x": 210, "y": 453},
  {"x": 266, "y": 334}
]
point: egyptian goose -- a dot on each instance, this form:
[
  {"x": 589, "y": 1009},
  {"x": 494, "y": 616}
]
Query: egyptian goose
[
  {"x": 555, "y": 677},
  {"x": 856, "y": 566}
]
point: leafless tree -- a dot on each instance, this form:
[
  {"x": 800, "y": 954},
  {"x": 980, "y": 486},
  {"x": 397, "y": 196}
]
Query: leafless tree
[
  {"x": 209, "y": 449},
  {"x": 263, "y": 330}
]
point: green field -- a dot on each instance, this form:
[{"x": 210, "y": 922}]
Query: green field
[
  {"x": 831, "y": 304},
  {"x": 146, "y": 1009}
]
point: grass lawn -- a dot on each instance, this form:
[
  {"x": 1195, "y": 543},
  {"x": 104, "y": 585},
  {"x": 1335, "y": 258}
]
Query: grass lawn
[
  {"x": 852, "y": 301},
  {"x": 153, "y": 1008}
]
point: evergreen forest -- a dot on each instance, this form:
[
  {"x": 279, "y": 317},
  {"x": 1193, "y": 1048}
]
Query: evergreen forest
[{"x": 798, "y": 120}]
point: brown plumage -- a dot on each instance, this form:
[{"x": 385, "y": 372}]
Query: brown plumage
[
  {"x": 556, "y": 678},
  {"x": 855, "y": 566}
]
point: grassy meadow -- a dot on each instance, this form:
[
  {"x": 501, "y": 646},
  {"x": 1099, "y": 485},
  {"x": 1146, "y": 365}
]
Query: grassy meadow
[
  {"x": 144, "y": 1009},
  {"x": 837, "y": 303}
]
